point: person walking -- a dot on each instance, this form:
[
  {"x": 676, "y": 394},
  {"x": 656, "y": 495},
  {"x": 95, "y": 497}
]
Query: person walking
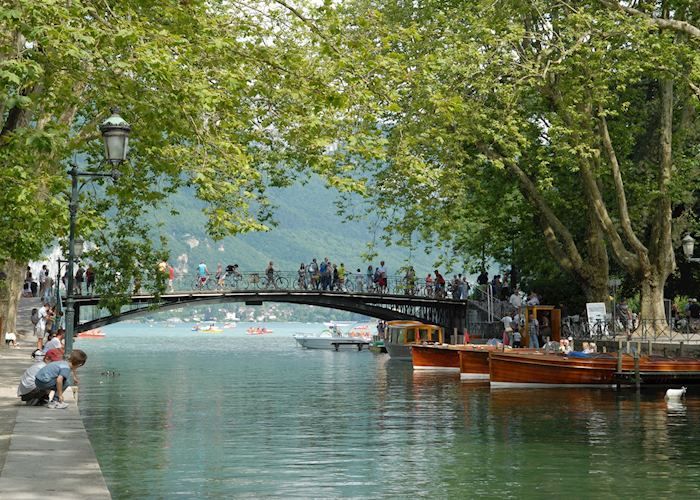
[{"x": 43, "y": 274}]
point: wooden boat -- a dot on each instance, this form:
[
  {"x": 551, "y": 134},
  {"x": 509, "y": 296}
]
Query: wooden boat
[
  {"x": 536, "y": 369},
  {"x": 438, "y": 357},
  {"x": 553, "y": 370},
  {"x": 401, "y": 335},
  {"x": 474, "y": 363}
]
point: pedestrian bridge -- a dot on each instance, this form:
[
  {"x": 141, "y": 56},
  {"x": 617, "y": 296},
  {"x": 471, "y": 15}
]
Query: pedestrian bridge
[{"x": 448, "y": 313}]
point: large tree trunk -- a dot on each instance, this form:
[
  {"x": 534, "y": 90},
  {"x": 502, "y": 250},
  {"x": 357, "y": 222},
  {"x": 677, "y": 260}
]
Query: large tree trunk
[
  {"x": 595, "y": 288},
  {"x": 652, "y": 300},
  {"x": 10, "y": 294}
]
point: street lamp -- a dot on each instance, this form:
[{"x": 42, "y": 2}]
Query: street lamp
[
  {"x": 689, "y": 248},
  {"x": 115, "y": 135}
]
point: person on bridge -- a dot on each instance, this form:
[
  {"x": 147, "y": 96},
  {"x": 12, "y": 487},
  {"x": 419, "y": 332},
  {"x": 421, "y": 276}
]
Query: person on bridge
[
  {"x": 370, "y": 277},
  {"x": 429, "y": 285},
  {"x": 439, "y": 285},
  {"x": 341, "y": 277},
  {"x": 202, "y": 273},
  {"x": 301, "y": 279},
  {"x": 270, "y": 275},
  {"x": 383, "y": 275},
  {"x": 359, "y": 281},
  {"x": 220, "y": 275},
  {"x": 314, "y": 273},
  {"x": 335, "y": 284},
  {"x": 325, "y": 273},
  {"x": 171, "y": 278}
]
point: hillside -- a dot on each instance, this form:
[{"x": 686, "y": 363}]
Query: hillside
[{"x": 308, "y": 227}]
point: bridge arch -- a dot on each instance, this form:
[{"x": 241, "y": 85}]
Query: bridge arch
[{"x": 449, "y": 313}]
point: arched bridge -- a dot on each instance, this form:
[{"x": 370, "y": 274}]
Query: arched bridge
[{"x": 446, "y": 312}]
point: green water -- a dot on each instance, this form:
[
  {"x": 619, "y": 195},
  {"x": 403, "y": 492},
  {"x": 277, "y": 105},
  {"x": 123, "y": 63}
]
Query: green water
[{"x": 234, "y": 416}]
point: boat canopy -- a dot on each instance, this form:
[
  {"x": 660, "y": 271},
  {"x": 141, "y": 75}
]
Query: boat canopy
[{"x": 406, "y": 332}]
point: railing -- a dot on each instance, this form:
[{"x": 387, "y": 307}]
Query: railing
[
  {"x": 686, "y": 330},
  {"x": 493, "y": 307},
  {"x": 285, "y": 280}
]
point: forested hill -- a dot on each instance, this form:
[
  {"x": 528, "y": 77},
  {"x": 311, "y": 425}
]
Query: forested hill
[{"x": 308, "y": 227}]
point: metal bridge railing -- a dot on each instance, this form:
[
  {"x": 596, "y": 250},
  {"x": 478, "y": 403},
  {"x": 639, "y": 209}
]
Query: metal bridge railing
[
  {"x": 655, "y": 330},
  {"x": 293, "y": 281}
]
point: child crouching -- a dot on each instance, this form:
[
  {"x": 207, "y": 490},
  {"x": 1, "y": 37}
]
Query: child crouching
[{"x": 60, "y": 375}]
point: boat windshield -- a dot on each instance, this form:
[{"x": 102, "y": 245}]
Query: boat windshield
[{"x": 397, "y": 335}]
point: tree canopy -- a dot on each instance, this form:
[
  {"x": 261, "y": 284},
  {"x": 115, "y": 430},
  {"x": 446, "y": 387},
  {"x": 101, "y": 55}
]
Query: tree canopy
[
  {"x": 220, "y": 95},
  {"x": 578, "y": 118}
]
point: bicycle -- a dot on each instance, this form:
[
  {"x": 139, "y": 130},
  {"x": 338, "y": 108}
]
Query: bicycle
[
  {"x": 233, "y": 281},
  {"x": 201, "y": 283},
  {"x": 275, "y": 282}
]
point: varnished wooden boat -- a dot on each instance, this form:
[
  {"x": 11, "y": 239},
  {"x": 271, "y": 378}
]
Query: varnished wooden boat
[
  {"x": 474, "y": 363},
  {"x": 552, "y": 370},
  {"x": 439, "y": 357}
]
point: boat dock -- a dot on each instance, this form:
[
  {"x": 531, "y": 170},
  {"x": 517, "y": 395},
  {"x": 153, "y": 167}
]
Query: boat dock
[{"x": 336, "y": 345}]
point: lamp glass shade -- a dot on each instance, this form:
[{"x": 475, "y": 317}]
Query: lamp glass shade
[
  {"x": 688, "y": 246},
  {"x": 115, "y": 134},
  {"x": 78, "y": 248}
]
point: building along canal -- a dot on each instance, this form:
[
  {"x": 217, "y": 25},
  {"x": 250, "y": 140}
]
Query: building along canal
[{"x": 173, "y": 413}]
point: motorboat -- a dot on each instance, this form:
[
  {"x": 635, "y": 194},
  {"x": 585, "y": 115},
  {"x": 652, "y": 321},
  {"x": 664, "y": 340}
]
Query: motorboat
[
  {"x": 229, "y": 325},
  {"x": 402, "y": 335},
  {"x": 332, "y": 339}
]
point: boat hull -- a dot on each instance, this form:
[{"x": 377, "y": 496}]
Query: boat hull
[
  {"x": 542, "y": 370},
  {"x": 401, "y": 352},
  {"x": 330, "y": 343},
  {"x": 474, "y": 364},
  {"x": 435, "y": 358}
]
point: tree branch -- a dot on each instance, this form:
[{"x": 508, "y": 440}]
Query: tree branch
[
  {"x": 553, "y": 227},
  {"x": 673, "y": 24},
  {"x": 625, "y": 220},
  {"x": 595, "y": 199}
]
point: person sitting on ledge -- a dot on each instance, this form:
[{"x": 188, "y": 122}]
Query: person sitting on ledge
[
  {"x": 55, "y": 341},
  {"x": 59, "y": 376}
]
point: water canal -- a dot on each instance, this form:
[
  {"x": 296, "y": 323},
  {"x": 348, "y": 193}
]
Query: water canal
[{"x": 222, "y": 416}]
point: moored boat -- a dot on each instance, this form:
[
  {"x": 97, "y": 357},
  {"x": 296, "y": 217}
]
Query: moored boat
[
  {"x": 402, "y": 335},
  {"x": 593, "y": 370},
  {"x": 438, "y": 357},
  {"x": 331, "y": 338},
  {"x": 510, "y": 369}
]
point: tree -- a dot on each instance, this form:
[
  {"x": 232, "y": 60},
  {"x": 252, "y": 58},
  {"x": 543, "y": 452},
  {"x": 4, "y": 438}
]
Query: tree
[
  {"x": 587, "y": 111},
  {"x": 219, "y": 95}
]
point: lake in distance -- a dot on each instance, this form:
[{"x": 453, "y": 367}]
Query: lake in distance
[{"x": 193, "y": 415}]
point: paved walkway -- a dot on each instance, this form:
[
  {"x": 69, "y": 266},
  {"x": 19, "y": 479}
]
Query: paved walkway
[{"x": 43, "y": 453}]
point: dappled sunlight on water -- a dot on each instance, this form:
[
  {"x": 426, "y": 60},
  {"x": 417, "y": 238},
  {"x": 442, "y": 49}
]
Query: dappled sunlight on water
[{"x": 221, "y": 416}]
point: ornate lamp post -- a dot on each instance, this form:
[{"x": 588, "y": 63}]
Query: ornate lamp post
[
  {"x": 115, "y": 134},
  {"x": 689, "y": 248}
]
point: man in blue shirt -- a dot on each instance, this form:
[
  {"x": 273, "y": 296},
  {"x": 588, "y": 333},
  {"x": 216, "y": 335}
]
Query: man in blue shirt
[{"x": 202, "y": 272}]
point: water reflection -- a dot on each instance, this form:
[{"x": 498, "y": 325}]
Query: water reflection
[{"x": 193, "y": 416}]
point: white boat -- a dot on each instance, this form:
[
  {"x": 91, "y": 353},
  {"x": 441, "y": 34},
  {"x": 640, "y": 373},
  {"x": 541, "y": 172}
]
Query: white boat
[{"x": 330, "y": 339}]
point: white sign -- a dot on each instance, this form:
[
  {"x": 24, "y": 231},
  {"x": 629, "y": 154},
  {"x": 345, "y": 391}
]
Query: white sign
[{"x": 596, "y": 314}]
